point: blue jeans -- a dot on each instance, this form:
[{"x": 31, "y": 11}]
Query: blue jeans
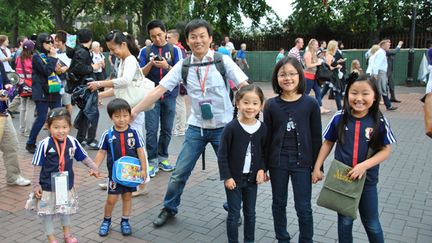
[
  {"x": 193, "y": 146},
  {"x": 312, "y": 84},
  {"x": 247, "y": 193},
  {"x": 387, "y": 101},
  {"x": 337, "y": 95},
  {"x": 42, "y": 113},
  {"x": 163, "y": 112},
  {"x": 369, "y": 215},
  {"x": 302, "y": 189}
]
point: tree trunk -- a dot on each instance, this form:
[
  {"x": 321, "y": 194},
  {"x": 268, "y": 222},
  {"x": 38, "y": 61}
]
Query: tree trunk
[{"x": 15, "y": 28}]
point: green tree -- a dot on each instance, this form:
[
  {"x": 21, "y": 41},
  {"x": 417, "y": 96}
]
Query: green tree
[
  {"x": 65, "y": 13},
  {"x": 22, "y": 17},
  {"x": 225, "y": 15}
]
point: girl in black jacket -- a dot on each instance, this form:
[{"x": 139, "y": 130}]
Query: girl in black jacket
[{"x": 241, "y": 161}]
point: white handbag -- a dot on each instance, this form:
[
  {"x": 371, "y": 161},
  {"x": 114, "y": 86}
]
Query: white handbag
[{"x": 139, "y": 88}]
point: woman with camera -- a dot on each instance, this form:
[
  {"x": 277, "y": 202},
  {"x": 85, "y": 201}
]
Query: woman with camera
[{"x": 44, "y": 62}]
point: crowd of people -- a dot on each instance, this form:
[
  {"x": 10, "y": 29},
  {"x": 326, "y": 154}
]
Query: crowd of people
[
  {"x": 54, "y": 74},
  {"x": 380, "y": 62}
]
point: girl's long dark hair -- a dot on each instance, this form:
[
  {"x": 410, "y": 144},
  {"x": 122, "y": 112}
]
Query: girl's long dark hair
[
  {"x": 376, "y": 140},
  {"x": 119, "y": 37}
]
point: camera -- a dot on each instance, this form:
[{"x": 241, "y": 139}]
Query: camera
[
  {"x": 3, "y": 93},
  {"x": 158, "y": 58}
]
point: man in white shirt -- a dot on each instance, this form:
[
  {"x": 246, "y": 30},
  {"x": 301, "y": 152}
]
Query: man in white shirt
[
  {"x": 211, "y": 107},
  {"x": 229, "y": 45},
  {"x": 378, "y": 69}
]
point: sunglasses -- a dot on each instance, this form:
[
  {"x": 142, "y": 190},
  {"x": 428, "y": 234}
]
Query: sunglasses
[
  {"x": 48, "y": 42},
  {"x": 58, "y": 112}
]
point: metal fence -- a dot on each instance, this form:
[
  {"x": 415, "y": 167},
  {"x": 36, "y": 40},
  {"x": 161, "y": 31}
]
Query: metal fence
[
  {"x": 272, "y": 43},
  {"x": 262, "y": 63}
]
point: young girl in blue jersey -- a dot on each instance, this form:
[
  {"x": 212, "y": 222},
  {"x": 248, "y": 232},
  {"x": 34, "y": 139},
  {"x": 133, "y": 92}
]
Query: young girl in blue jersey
[
  {"x": 126, "y": 141},
  {"x": 241, "y": 161},
  {"x": 358, "y": 127},
  {"x": 53, "y": 171},
  {"x": 294, "y": 123}
]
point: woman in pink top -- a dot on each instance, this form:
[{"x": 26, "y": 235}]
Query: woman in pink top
[
  {"x": 312, "y": 61},
  {"x": 23, "y": 64}
]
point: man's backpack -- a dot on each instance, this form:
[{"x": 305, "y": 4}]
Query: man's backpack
[{"x": 217, "y": 61}]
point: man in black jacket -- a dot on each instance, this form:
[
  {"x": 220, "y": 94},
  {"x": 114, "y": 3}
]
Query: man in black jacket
[
  {"x": 391, "y": 53},
  {"x": 82, "y": 69}
]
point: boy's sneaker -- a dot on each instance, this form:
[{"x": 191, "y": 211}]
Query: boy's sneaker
[
  {"x": 152, "y": 171},
  {"x": 93, "y": 145},
  {"x": 125, "y": 228},
  {"x": 104, "y": 228},
  {"x": 165, "y": 166}
]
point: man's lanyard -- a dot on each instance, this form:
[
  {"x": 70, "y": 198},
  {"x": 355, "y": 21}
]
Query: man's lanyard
[
  {"x": 61, "y": 153},
  {"x": 202, "y": 83}
]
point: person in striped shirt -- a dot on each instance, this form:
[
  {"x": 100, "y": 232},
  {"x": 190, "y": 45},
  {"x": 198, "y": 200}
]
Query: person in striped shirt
[{"x": 295, "y": 51}]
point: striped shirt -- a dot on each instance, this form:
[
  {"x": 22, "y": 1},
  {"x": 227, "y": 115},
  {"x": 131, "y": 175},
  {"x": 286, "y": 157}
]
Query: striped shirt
[{"x": 294, "y": 52}]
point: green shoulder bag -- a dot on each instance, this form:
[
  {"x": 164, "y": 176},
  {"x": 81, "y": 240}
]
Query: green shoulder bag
[{"x": 339, "y": 192}]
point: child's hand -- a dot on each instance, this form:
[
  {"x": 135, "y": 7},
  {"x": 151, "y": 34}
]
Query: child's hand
[
  {"x": 230, "y": 184},
  {"x": 37, "y": 192},
  {"x": 317, "y": 175},
  {"x": 357, "y": 172},
  {"x": 144, "y": 174},
  {"x": 96, "y": 174},
  {"x": 261, "y": 176}
]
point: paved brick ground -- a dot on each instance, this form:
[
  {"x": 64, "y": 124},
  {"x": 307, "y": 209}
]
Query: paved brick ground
[{"x": 405, "y": 199}]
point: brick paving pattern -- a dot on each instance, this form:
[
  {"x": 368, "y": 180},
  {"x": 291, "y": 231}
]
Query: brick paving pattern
[{"x": 405, "y": 199}]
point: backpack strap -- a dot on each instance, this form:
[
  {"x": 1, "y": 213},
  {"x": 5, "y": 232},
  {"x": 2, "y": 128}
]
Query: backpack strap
[
  {"x": 110, "y": 141},
  {"x": 171, "y": 50},
  {"x": 147, "y": 53},
  {"x": 218, "y": 62},
  {"x": 185, "y": 69}
]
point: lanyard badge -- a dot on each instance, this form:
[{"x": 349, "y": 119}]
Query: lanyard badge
[{"x": 60, "y": 180}]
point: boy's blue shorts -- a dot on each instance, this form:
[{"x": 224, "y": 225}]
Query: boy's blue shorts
[{"x": 115, "y": 188}]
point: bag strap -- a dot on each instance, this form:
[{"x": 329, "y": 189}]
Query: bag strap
[
  {"x": 122, "y": 143},
  {"x": 23, "y": 68},
  {"x": 110, "y": 132},
  {"x": 217, "y": 61}
]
